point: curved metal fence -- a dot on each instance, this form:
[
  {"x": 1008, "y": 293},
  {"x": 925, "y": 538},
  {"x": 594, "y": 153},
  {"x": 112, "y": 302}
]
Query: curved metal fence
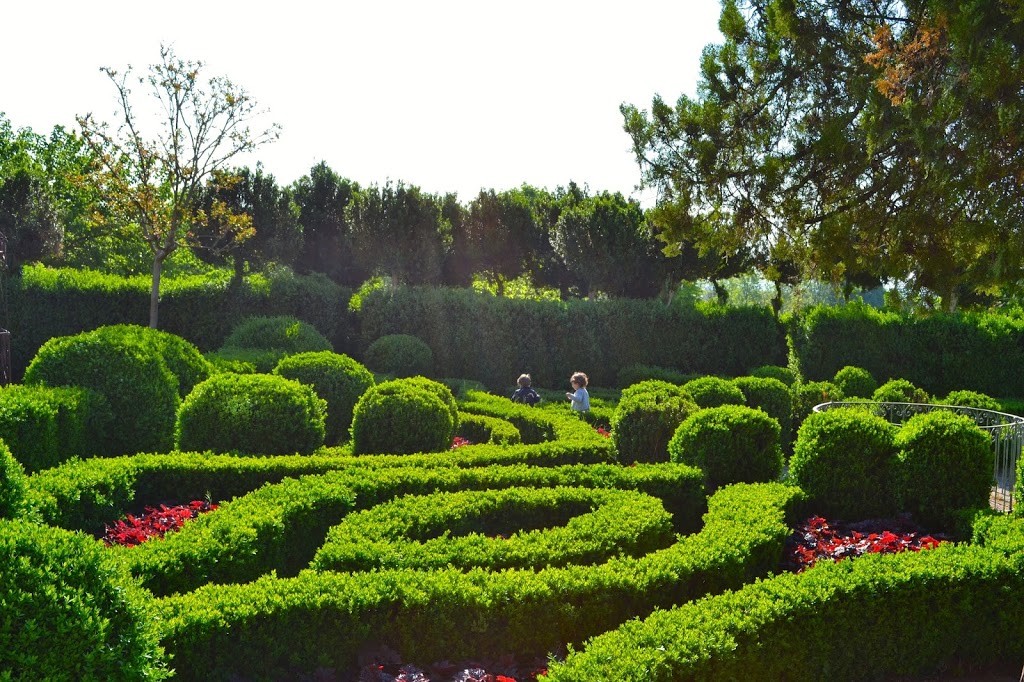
[{"x": 1005, "y": 430}]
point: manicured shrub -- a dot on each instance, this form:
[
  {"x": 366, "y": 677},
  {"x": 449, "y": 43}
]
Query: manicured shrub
[
  {"x": 140, "y": 389},
  {"x": 282, "y": 333},
  {"x": 46, "y": 426},
  {"x": 68, "y": 614},
  {"x": 783, "y": 374},
  {"x": 653, "y": 386},
  {"x": 245, "y": 360},
  {"x": 12, "y": 485},
  {"x": 808, "y": 394},
  {"x": 402, "y": 355},
  {"x": 899, "y": 391},
  {"x": 184, "y": 360},
  {"x": 634, "y": 374},
  {"x": 336, "y": 378},
  {"x": 431, "y": 386},
  {"x": 730, "y": 444},
  {"x": 945, "y": 464},
  {"x": 713, "y": 392},
  {"x": 855, "y": 382},
  {"x": 400, "y": 417},
  {"x": 772, "y": 396},
  {"x": 257, "y": 414},
  {"x": 643, "y": 423},
  {"x": 479, "y": 428},
  {"x": 972, "y": 399},
  {"x": 845, "y": 460}
]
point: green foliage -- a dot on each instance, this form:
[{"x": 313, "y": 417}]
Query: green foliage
[
  {"x": 68, "y": 614},
  {"x": 899, "y": 391},
  {"x": 280, "y": 333},
  {"x": 634, "y": 374},
  {"x": 46, "y": 426},
  {"x": 714, "y": 391},
  {"x": 773, "y": 397},
  {"x": 12, "y": 485},
  {"x": 653, "y": 386},
  {"x": 783, "y": 374},
  {"x": 945, "y": 465},
  {"x": 972, "y": 399},
  {"x": 402, "y": 355},
  {"x": 251, "y": 413},
  {"x": 139, "y": 388},
  {"x": 498, "y": 529},
  {"x": 644, "y": 422},
  {"x": 338, "y": 379},
  {"x": 730, "y": 444},
  {"x": 855, "y": 382},
  {"x": 181, "y": 357},
  {"x": 401, "y": 417},
  {"x": 479, "y": 428},
  {"x": 244, "y": 360},
  {"x": 808, "y": 394},
  {"x": 845, "y": 460}
]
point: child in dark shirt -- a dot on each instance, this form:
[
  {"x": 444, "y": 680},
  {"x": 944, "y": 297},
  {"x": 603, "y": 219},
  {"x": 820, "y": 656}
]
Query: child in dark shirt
[{"x": 525, "y": 394}]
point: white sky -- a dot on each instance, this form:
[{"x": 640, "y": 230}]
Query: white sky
[{"x": 450, "y": 95}]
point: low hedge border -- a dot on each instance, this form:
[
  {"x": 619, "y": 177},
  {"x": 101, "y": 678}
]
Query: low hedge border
[
  {"x": 497, "y": 529},
  {"x": 324, "y": 618},
  {"x": 479, "y": 428},
  {"x": 963, "y": 602},
  {"x": 535, "y": 425}
]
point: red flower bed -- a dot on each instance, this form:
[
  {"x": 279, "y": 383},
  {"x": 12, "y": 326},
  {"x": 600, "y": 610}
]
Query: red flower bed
[
  {"x": 443, "y": 672},
  {"x": 817, "y": 539},
  {"x": 459, "y": 441},
  {"x": 153, "y": 523},
  {"x": 603, "y": 431}
]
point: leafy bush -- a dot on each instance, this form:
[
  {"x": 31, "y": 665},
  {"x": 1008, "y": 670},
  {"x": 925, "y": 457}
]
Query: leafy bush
[
  {"x": 634, "y": 374},
  {"x": 282, "y": 333},
  {"x": 730, "y": 444},
  {"x": 855, "y": 382},
  {"x": 899, "y": 391},
  {"x": 435, "y": 387},
  {"x": 12, "y": 485},
  {"x": 401, "y": 355},
  {"x": 181, "y": 357},
  {"x": 808, "y": 394},
  {"x": 140, "y": 389},
  {"x": 245, "y": 360},
  {"x": 713, "y": 392},
  {"x": 972, "y": 399},
  {"x": 945, "y": 464},
  {"x": 653, "y": 386},
  {"x": 251, "y": 413},
  {"x": 644, "y": 421},
  {"x": 46, "y": 426},
  {"x": 783, "y": 374},
  {"x": 338, "y": 379},
  {"x": 772, "y": 396},
  {"x": 401, "y": 417},
  {"x": 67, "y": 613},
  {"x": 845, "y": 460}
]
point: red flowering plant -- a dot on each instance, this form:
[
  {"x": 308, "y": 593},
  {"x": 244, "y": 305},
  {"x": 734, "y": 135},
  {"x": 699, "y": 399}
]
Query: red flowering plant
[
  {"x": 459, "y": 441},
  {"x": 603, "y": 431},
  {"x": 153, "y": 523},
  {"x": 817, "y": 539}
]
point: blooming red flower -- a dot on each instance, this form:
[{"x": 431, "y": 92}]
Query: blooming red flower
[{"x": 155, "y": 522}]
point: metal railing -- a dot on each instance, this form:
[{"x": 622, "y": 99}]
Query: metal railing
[{"x": 1005, "y": 430}]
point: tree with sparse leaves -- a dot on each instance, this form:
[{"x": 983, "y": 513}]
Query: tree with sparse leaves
[{"x": 157, "y": 183}]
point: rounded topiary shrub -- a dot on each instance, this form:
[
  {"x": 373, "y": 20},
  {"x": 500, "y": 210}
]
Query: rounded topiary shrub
[
  {"x": 184, "y": 360},
  {"x": 972, "y": 399},
  {"x": 783, "y": 374},
  {"x": 438, "y": 389},
  {"x": 257, "y": 414},
  {"x": 899, "y": 391},
  {"x": 401, "y": 417},
  {"x": 245, "y": 360},
  {"x": 713, "y": 392},
  {"x": 12, "y": 486},
  {"x": 653, "y": 386},
  {"x": 773, "y": 397},
  {"x": 336, "y": 378},
  {"x": 282, "y": 333},
  {"x": 634, "y": 374},
  {"x": 643, "y": 424},
  {"x": 945, "y": 464},
  {"x": 68, "y": 614},
  {"x": 139, "y": 388},
  {"x": 401, "y": 355},
  {"x": 731, "y": 444},
  {"x": 855, "y": 382},
  {"x": 845, "y": 459},
  {"x": 808, "y": 394}
]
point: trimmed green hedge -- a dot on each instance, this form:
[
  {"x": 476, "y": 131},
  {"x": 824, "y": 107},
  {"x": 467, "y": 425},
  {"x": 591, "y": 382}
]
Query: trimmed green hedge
[
  {"x": 13, "y": 503},
  {"x": 479, "y": 428},
  {"x": 46, "y": 426},
  {"x": 403, "y": 416},
  {"x": 336, "y": 378}
]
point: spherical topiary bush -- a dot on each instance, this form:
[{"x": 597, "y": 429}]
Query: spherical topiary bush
[
  {"x": 257, "y": 414},
  {"x": 808, "y": 394},
  {"x": 899, "y": 391},
  {"x": 634, "y": 374},
  {"x": 731, "y": 444},
  {"x": 401, "y": 355},
  {"x": 141, "y": 391},
  {"x": 855, "y": 382},
  {"x": 435, "y": 387},
  {"x": 772, "y": 396},
  {"x": 944, "y": 464},
  {"x": 336, "y": 378},
  {"x": 845, "y": 459},
  {"x": 644, "y": 422},
  {"x": 282, "y": 333},
  {"x": 972, "y": 399},
  {"x": 12, "y": 485},
  {"x": 401, "y": 418},
  {"x": 68, "y": 614},
  {"x": 653, "y": 386},
  {"x": 783, "y": 374},
  {"x": 184, "y": 360},
  {"x": 713, "y": 392}
]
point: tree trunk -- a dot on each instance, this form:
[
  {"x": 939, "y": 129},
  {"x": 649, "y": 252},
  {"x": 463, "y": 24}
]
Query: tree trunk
[
  {"x": 952, "y": 300},
  {"x": 720, "y": 292},
  {"x": 154, "y": 290},
  {"x": 777, "y": 300}
]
